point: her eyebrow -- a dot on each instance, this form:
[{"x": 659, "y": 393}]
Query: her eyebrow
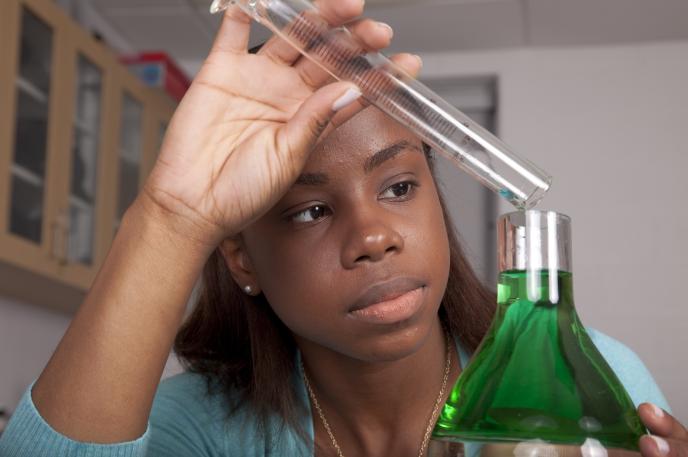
[
  {"x": 386, "y": 154},
  {"x": 312, "y": 179},
  {"x": 377, "y": 159}
]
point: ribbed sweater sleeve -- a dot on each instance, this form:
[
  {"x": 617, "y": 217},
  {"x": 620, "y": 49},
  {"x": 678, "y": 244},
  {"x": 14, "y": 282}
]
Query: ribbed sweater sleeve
[{"x": 29, "y": 435}]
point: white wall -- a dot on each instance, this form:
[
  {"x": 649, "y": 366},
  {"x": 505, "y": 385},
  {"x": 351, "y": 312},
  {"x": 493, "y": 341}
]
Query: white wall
[
  {"x": 609, "y": 123},
  {"x": 28, "y": 336}
]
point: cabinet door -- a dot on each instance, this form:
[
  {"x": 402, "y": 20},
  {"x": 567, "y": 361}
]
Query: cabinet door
[
  {"x": 30, "y": 104},
  {"x": 78, "y": 136},
  {"x": 82, "y": 194},
  {"x": 86, "y": 145}
]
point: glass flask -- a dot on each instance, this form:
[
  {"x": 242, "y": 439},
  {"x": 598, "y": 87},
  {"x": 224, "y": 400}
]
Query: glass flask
[
  {"x": 536, "y": 386},
  {"x": 385, "y": 85}
]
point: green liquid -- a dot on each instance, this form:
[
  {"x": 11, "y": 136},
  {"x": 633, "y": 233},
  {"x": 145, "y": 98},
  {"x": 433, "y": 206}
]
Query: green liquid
[{"x": 537, "y": 375}]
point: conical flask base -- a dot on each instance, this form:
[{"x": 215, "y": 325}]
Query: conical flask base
[{"x": 537, "y": 375}]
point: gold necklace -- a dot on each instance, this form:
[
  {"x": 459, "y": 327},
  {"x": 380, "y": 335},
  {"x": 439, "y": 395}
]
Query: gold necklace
[{"x": 428, "y": 429}]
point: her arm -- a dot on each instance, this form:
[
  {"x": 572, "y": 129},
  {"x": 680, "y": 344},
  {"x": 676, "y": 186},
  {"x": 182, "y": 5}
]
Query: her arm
[
  {"x": 99, "y": 384},
  {"x": 237, "y": 142}
]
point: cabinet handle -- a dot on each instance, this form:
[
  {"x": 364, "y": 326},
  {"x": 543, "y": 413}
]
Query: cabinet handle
[
  {"x": 60, "y": 229},
  {"x": 54, "y": 239},
  {"x": 65, "y": 237}
]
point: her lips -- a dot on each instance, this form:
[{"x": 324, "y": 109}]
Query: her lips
[
  {"x": 386, "y": 291},
  {"x": 391, "y": 310}
]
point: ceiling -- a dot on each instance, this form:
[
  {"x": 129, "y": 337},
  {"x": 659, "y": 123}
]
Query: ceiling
[{"x": 184, "y": 28}]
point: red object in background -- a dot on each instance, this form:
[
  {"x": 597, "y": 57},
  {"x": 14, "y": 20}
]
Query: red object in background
[{"x": 157, "y": 69}]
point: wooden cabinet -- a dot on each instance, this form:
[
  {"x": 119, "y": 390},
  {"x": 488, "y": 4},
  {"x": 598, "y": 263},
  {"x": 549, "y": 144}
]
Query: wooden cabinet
[{"x": 78, "y": 135}]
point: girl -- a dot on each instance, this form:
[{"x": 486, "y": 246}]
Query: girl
[{"x": 337, "y": 309}]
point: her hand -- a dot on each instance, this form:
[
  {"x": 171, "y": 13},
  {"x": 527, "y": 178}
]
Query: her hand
[
  {"x": 669, "y": 437},
  {"x": 244, "y": 130}
]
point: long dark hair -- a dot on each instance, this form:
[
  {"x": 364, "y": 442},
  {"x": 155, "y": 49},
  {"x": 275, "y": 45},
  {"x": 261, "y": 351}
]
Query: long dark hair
[{"x": 246, "y": 353}]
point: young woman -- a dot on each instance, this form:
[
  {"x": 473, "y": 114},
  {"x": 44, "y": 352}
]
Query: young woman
[{"x": 337, "y": 308}]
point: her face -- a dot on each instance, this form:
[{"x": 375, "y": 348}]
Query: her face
[{"x": 355, "y": 257}]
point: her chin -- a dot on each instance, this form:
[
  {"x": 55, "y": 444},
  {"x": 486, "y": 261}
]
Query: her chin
[{"x": 393, "y": 346}]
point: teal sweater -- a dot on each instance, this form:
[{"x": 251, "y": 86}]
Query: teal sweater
[{"x": 186, "y": 422}]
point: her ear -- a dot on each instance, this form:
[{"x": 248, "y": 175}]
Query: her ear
[{"x": 239, "y": 264}]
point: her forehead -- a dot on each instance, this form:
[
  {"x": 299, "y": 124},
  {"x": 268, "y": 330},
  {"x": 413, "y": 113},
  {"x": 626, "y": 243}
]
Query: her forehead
[{"x": 359, "y": 138}]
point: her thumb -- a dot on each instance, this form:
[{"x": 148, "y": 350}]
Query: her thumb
[{"x": 315, "y": 114}]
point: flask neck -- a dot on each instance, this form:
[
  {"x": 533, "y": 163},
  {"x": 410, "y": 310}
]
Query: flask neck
[
  {"x": 533, "y": 241},
  {"x": 534, "y": 257}
]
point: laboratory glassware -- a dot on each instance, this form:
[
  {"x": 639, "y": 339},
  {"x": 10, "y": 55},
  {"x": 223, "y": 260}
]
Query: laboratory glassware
[{"x": 537, "y": 386}]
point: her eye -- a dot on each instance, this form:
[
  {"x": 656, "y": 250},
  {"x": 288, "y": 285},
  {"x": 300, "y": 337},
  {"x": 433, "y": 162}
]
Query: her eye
[
  {"x": 309, "y": 214},
  {"x": 400, "y": 189}
]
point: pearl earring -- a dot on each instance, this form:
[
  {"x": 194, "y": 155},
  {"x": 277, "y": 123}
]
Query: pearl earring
[{"x": 248, "y": 290}]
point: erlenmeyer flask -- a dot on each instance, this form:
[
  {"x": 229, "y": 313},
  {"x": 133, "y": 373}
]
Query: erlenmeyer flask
[{"x": 537, "y": 385}]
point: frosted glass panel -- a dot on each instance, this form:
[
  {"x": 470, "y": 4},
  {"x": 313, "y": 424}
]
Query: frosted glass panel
[
  {"x": 129, "y": 153},
  {"x": 32, "y": 85},
  {"x": 85, "y": 154}
]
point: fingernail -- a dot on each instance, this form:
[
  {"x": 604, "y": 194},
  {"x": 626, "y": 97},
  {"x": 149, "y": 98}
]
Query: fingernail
[
  {"x": 662, "y": 445},
  {"x": 387, "y": 27},
  {"x": 657, "y": 410},
  {"x": 419, "y": 59},
  {"x": 347, "y": 99}
]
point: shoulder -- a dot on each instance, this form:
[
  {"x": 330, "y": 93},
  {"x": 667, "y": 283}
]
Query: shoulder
[
  {"x": 187, "y": 391},
  {"x": 630, "y": 370},
  {"x": 184, "y": 419},
  {"x": 188, "y": 420}
]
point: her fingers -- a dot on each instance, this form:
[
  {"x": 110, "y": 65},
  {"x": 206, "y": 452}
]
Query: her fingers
[
  {"x": 234, "y": 32},
  {"x": 312, "y": 119},
  {"x": 409, "y": 63},
  {"x": 373, "y": 35},
  {"x": 662, "y": 423},
  {"x": 655, "y": 446},
  {"x": 338, "y": 12},
  {"x": 335, "y": 12}
]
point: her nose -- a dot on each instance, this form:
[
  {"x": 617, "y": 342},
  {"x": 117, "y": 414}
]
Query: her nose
[{"x": 370, "y": 239}]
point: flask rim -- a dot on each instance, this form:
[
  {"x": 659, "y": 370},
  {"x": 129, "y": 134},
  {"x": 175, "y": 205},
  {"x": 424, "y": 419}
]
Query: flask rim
[{"x": 540, "y": 211}]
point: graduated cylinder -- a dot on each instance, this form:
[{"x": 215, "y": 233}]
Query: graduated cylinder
[{"x": 385, "y": 85}]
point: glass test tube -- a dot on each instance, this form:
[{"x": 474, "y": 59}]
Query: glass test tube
[{"x": 388, "y": 87}]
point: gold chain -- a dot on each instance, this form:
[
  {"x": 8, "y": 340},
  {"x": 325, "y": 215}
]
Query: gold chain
[{"x": 428, "y": 429}]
